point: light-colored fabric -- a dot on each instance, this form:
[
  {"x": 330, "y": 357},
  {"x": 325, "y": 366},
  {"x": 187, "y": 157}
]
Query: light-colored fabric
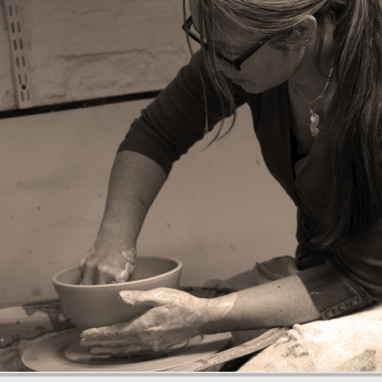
[{"x": 351, "y": 343}]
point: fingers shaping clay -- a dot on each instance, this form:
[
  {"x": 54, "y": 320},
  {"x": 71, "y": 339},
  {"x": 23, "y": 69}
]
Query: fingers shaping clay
[{"x": 130, "y": 256}]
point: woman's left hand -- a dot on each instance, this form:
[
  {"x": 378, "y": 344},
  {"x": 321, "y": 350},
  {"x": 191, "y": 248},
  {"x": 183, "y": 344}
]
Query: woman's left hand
[{"x": 176, "y": 317}]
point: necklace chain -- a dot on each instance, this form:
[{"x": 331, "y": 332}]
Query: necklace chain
[{"x": 314, "y": 118}]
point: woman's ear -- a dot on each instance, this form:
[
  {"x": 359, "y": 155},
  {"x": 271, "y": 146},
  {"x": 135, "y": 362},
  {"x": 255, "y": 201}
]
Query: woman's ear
[{"x": 305, "y": 33}]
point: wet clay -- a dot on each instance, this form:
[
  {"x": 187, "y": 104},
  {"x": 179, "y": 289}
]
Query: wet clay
[{"x": 130, "y": 256}]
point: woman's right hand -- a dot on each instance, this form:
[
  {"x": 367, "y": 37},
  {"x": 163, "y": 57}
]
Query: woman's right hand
[
  {"x": 106, "y": 264},
  {"x": 135, "y": 181}
]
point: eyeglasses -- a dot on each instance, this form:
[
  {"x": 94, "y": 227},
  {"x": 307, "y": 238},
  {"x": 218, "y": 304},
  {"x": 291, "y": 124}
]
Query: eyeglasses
[{"x": 233, "y": 63}]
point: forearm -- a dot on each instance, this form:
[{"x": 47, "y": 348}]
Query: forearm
[
  {"x": 134, "y": 183},
  {"x": 283, "y": 302}
]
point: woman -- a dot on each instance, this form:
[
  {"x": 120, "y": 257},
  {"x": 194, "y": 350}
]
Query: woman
[{"x": 310, "y": 72}]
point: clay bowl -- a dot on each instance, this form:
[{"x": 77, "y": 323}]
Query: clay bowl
[{"x": 91, "y": 306}]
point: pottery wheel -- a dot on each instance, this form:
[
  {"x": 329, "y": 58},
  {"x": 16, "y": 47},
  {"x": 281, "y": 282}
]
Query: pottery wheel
[{"x": 62, "y": 352}]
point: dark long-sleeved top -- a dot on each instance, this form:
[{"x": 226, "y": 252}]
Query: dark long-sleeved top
[{"x": 338, "y": 282}]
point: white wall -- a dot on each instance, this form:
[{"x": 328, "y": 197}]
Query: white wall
[
  {"x": 81, "y": 49},
  {"x": 219, "y": 212}
]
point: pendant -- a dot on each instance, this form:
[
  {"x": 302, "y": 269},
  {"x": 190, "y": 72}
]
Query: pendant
[{"x": 314, "y": 121}]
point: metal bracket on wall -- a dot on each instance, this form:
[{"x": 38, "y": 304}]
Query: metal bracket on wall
[{"x": 21, "y": 77}]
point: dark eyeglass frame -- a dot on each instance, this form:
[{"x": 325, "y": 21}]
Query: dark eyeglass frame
[{"x": 236, "y": 64}]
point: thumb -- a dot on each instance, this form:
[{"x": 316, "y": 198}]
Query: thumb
[{"x": 154, "y": 297}]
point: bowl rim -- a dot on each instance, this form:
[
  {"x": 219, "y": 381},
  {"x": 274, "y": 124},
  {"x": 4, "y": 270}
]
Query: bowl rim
[{"x": 176, "y": 269}]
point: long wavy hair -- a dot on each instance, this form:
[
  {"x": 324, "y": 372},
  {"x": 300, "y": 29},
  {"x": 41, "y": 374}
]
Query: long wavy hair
[{"x": 355, "y": 200}]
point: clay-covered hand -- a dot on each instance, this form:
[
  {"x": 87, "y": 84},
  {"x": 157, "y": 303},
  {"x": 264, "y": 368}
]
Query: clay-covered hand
[
  {"x": 105, "y": 264},
  {"x": 176, "y": 317}
]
